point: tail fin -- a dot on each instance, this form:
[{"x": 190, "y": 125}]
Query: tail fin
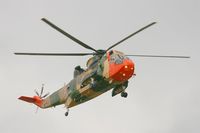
[{"x": 36, "y": 100}]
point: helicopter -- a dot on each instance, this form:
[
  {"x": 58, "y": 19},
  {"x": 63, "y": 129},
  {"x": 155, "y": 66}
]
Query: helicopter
[{"x": 106, "y": 69}]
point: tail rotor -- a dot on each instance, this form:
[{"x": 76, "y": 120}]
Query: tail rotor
[
  {"x": 37, "y": 100},
  {"x": 40, "y": 95}
]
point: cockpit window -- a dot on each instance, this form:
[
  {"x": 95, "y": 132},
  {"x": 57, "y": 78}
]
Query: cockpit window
[
  {"x": 117, "y": 58},
  {"x": 118, "y": 61},
  {"x": 121, "y": 56}
]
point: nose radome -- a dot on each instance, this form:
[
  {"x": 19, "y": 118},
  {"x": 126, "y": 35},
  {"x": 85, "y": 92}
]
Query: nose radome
[{"x": 122, "y": 72}]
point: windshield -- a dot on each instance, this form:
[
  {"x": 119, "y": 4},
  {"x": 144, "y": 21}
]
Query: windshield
[{"x": 117, "y": 58}]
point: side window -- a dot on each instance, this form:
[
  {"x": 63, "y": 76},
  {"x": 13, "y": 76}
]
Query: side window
[
  {"x": 86, "y": 82},
  {"x": 112, "y": 59},
  {"x": 68, "y": 87}
]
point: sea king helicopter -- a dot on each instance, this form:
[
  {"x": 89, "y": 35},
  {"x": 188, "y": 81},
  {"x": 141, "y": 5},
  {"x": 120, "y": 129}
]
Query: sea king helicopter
[{"x": 106, "y": 69}]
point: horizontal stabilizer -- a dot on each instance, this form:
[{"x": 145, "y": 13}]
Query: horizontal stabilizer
[
  {"x": 36, "y": 100},
  {"x": 27, "y": 99}
]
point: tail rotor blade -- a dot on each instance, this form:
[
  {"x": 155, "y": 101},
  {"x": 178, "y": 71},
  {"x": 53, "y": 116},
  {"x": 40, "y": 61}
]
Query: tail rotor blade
[
  {"x": 42, "y": 89},
  {"x": 37, "y": 93},
  {"x": 45, "y": 95},
  {"x": 36, "y": 110}
]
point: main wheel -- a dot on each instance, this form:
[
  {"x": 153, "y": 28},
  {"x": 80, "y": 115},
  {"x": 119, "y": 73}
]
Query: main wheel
[
  {"x": 66, "y": 114},
  {"x": 124, "y": 94}
]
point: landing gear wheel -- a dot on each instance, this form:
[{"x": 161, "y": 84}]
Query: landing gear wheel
[
  {"x": 124, "y": 94},
  {"x": 66, "y": 114}
]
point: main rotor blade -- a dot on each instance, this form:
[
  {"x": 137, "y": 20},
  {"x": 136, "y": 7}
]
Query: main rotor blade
[
  {"x": 131, "y": 35},
  {"x": 68, "y": 35},
  {"x": 160, "y": 56},
  {"x": 55, "y": 54}
]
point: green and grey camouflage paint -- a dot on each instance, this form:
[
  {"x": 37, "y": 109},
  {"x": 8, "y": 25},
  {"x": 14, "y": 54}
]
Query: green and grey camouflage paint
[{"x": 93, "y": 82}]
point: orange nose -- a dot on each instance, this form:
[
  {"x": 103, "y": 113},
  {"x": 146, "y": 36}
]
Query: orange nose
[{"x": 121, "y": 72}]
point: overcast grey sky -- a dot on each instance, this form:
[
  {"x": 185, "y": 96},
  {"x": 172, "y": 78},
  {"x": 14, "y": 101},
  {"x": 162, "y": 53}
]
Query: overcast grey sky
[{"x": 163, "y": 97}]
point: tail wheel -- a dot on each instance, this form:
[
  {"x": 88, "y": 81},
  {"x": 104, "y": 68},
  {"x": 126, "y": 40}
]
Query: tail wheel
[{"x": 124, "y": 94}]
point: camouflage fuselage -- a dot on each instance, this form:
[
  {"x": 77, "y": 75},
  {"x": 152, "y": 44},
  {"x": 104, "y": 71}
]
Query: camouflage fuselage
[{"x": 94, "y": 81}]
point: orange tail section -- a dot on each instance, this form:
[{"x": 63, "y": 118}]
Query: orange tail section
[{"x": 36, "y": 100}]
